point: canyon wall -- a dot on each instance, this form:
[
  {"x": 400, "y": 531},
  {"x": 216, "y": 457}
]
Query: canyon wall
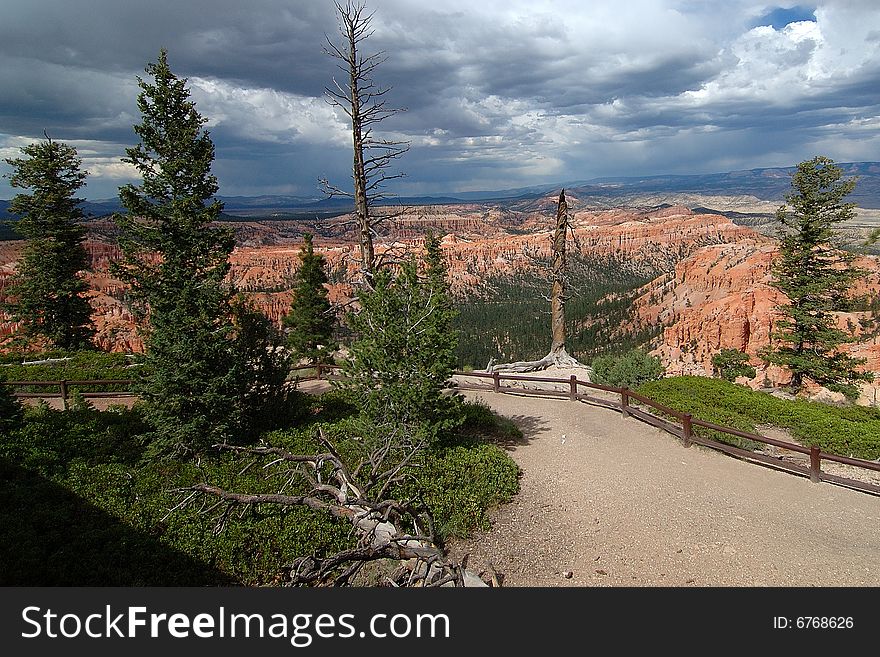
[
  {"x": 713, "y": 291},
  {"x": 478, "y": 242},
  {"x": 720, "y": 297}
]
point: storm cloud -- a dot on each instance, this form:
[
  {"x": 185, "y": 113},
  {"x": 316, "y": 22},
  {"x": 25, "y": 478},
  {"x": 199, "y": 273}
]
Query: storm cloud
[{"x": 498, "y": 94}]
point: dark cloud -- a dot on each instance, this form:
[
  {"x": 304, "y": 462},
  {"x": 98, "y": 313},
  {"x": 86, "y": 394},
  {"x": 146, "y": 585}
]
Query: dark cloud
[{"x": 498, "y": 94}]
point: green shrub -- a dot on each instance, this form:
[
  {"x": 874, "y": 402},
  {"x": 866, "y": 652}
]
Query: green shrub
[
  {"x": 100, "y": 511},
  {"x": 631, "y": 369},
  {"x": 332, "y": 406},
  {"x": 848, "y": 431},
  {"x": 479, "y": 420},
  {"x": 459, "y": 481},
  {"x": 731, "y": 363},
  {"x": 10, "y": 410},
  {"x": 78, "y": 366},
  {"x": 50, "y": 440}
]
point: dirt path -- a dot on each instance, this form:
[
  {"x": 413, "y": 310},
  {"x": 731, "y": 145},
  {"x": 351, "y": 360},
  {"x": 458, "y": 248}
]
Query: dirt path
[{"x": 615, "y": 502}]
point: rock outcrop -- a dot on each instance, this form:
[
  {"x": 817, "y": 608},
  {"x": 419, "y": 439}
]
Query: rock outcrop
[
  {"x": 714, "y": 292},
  {"x": 720, "y": 297}
]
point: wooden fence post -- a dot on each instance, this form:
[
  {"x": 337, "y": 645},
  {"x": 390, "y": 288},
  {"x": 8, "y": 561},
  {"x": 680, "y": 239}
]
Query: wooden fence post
[
  {"x": 815, "y": 470},
  {"x": 624, "y": 401},
  {"x": 496, "y": 381},
  {"x": 687, "y": 430},
  {"x": 318, "y": 368},
  {"x": 573, "y": 391},
  {"x": 64, "y": 394}
]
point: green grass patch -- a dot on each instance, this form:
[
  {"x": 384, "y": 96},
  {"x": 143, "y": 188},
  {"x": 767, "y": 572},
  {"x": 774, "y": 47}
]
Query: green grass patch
[{"x": 848, "y": 430}]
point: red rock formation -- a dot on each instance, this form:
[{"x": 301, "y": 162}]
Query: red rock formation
[
  {"x": 478, "y": 241},
  {"x": 720, "y": 297}
]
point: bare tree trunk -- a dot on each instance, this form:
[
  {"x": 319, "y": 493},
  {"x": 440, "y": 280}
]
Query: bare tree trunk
[
  {"x": 557, "y": 292},
  {"x": 365, "y": 105},
  {"x": 358, "y": 174},
  {"x": 558, "y": 355}
]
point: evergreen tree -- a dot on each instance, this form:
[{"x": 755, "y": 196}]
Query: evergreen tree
[
  {"x": 261, "y": 366},
  {"x": 10, "y": 410},
  {"x": 816, "y": 277},
  {"x": 310, "y": 320},
  {"x": 48, "y": 291},
  {"x": 176, "y": 264},
  {"x": 731, "y": 363},
  {"x": 404, "y": 353}
]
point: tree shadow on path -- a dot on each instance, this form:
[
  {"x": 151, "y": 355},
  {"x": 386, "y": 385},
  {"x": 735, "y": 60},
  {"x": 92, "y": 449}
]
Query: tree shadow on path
[{"x": 529, "y": 427}]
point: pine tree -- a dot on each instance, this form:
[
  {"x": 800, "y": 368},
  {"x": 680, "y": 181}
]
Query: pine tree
[
  {"x": 732, "y": 363},
  {"x": 48, "y": 291},
  {"x": 175, "y": 263},
  {"x": 816, "y": 277},
  {"x": 310, "y": 320},
  {"x": 404, "y": 353},
  {"x": 10, "y": 410},
  {"x": 261, "y": 367}
]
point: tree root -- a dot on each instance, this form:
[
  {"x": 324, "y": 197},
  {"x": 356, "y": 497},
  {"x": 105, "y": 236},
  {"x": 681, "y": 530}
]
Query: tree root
[{"x": 559, "y": 358}]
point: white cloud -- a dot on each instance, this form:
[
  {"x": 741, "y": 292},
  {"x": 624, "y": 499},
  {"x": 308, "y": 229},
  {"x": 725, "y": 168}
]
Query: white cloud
[{"x": 268, "y": 115}]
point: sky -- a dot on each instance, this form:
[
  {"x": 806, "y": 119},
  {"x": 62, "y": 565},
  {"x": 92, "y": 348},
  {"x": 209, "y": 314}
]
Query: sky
[{"x": 498, "y": 94}]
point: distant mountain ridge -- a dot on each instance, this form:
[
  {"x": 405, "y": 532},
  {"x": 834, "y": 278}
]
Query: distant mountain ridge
[{"x": 767, "y": 184}]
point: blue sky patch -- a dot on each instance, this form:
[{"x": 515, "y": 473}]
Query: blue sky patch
[{"x": 782, "y": 16}]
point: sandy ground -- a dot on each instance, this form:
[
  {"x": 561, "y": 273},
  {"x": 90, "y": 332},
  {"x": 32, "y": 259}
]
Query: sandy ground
[
  {"x": 615, "y": 502},
  {"x": 98, "y": 403}
]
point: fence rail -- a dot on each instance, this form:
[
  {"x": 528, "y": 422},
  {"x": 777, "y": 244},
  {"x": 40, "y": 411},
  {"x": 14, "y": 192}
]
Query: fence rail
[
  {"x": 684, "y": 430},
  {"x": 64, "y": 389}
]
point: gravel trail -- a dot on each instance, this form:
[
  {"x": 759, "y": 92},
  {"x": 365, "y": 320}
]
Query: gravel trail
[{"x": 611, "y": 501}]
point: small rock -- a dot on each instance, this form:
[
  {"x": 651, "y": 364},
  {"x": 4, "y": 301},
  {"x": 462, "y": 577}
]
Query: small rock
[
  {"x": 599, "y": 571},
  {"x": 567, "y": 574}
]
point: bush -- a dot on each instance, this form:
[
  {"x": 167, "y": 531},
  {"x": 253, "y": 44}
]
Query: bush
[
  {"x": 631, "y": 370},
  {"x": 459, "y": 481},
  {"x": 10, "y": 410},
  {"x": 848, "y": 431},
  {"x": 50, "y": 440},
  {"x": 478, "y": 420},
  {"x": 731, "y": 363},
  {"x": 78, "y": 366},
  {"x": 100, "y": 512}
]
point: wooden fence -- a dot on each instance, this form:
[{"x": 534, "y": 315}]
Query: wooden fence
[
  {"x": 681, "y": 425},
  {"x": 685, "y": 426},
  {"x": 64, "y": 387}
]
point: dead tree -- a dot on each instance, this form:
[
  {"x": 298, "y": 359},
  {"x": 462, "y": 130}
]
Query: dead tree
[
  {"x": 365, "y": 105},
  {"x": 559, "y": 275},
  {"x": 323, "y": 482}
]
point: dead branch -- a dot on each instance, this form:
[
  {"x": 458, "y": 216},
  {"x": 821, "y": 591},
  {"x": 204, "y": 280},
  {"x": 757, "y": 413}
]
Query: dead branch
[
  {"x": 377, "y": 523},
  {"x": 365, "y": 105}
]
